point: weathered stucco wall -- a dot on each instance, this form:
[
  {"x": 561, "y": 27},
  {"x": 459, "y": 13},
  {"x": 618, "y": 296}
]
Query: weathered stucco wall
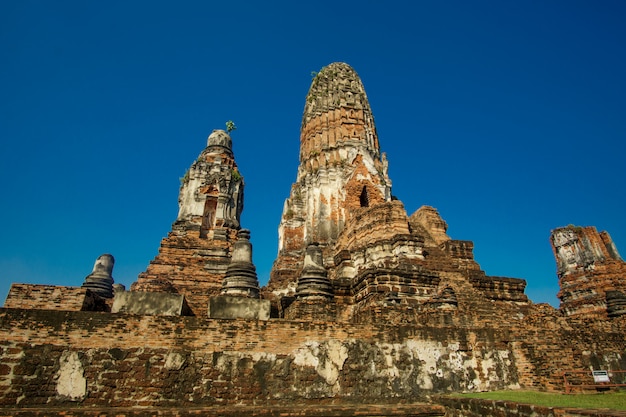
[
  {"x": 99, "y": 359},
  {"x": 124, "y": 360}
]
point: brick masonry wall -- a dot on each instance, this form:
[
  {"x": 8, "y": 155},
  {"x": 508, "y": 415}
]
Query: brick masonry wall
[
  {"x": 113, "y": 360},
  {"x": 474, "y": 407},
  {"x": 52, "y": 297},
  {"x": 129, "y": 360},
  {"x": 551, "y": 345},
  {"x": 316, "y": 409}
]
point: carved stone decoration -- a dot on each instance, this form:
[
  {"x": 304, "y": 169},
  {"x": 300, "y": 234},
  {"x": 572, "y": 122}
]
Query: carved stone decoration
[
  {"x": 100, "y": 281},
  {"x": 573, "y": 251},
  {"x": 392, "y": 297},
  {"x": 241, "y": 279},
  {"x": 71, "y": 383},
  {"x": 448, "y": 296},
  {"x": 313, "y": 282}
]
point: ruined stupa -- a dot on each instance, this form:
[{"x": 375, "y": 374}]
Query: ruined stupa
[
  {"x": 240, "y": 296},
  {"x": 194, "y": 257},
  {"x": 592, "y": 274},
  {"x": 100, "y": 281}
]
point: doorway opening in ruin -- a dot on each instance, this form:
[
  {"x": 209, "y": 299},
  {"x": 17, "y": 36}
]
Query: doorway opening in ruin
[
  {"x": 208, "y": 217},
  {"x": 364, "y": 199}
]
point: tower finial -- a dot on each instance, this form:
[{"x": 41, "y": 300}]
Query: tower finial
[{"x": 337, "y": 113}]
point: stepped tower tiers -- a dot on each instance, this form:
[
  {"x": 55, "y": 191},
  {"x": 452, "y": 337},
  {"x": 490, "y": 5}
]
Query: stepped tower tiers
[
  {"x": 341, "y": 169},
  {"x": 241, "y": 279},
  {"x": 592, "y": 275},
  {"x": 240, "y": 295},
  {"x": 195, "y": 255}
]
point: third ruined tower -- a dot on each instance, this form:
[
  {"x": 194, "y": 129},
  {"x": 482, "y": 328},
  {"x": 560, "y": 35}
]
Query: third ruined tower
[{"x": 341, "y": 169}]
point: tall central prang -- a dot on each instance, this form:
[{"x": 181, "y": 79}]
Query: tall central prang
[
  {"x": 364, "y": 252},
  {"x": 341, "y": 169}
]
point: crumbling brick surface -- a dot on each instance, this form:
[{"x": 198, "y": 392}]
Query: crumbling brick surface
[
  {"x": 315, "y": 408},
  {"x": 190, "y": 266},
  {"x": 54, "y": 297}
]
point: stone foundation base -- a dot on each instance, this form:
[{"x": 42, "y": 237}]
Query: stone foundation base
[
  {"x": 292, "y": 410},
  {"x": 150, "y": 303},
  {"x": 228, "y": 307},
  {"x": 313, "y": 310}
]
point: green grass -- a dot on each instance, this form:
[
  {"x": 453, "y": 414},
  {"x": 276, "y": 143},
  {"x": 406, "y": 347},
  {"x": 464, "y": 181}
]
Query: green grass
[{"x": 612, "y": 400}]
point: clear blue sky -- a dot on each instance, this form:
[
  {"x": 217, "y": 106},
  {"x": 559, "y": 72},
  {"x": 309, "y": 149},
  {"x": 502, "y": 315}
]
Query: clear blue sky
[{"x": 509, "y": 117}]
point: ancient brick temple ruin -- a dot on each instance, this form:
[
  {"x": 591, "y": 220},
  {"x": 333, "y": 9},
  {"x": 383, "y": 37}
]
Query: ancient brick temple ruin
[
  {"x": 592, "y": 275},
  {"x": 366, "y": 304}
]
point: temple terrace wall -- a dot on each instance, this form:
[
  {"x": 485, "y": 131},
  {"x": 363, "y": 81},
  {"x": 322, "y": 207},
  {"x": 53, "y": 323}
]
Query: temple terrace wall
[
  {"x": 121, "y": 360},
  {"x": 474, "y": 407}
]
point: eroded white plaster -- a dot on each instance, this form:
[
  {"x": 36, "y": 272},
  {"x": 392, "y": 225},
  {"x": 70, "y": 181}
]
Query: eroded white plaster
[
  {"x": 327, "y": 359},
  {"x": 174, "y": 361},
  {"x": 71, "y": 381}
]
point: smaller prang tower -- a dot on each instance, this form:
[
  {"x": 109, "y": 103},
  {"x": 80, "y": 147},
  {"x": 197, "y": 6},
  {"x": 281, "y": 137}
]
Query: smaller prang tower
[
  {"x": 194, "y": 257},
  {"x": 592, "y": 274}
]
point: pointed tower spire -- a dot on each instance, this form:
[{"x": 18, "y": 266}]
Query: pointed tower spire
[
  {"x": 194, "y": 257},
  {"x": 341, "y": 169}
]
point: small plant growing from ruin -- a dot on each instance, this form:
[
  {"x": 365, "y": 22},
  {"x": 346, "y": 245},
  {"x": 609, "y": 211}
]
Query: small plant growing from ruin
[
  {"x": 297, "y": 196},
  {"x": 230, "y": 126},
  {"x": 184, "y": 178},
  {"x": 235, "y": 175}
]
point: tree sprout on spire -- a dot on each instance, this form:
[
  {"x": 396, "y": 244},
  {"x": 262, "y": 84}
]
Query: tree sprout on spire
[{"x": 230, "y": 126}]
